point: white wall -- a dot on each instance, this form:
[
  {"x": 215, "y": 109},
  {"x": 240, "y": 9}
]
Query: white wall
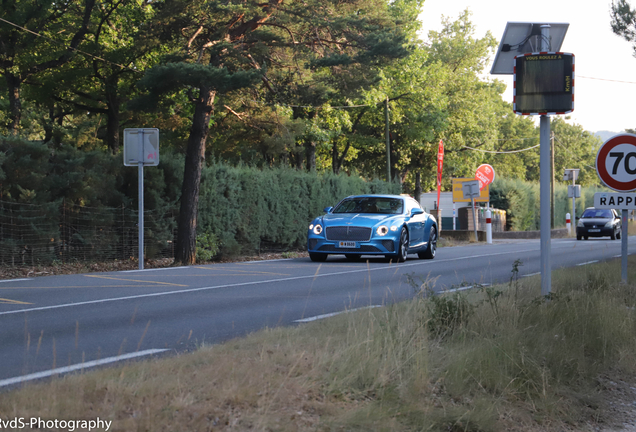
[{"x": 428, "y": 201}]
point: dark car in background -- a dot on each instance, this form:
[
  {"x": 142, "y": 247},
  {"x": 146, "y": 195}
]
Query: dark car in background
[{"x": 599, "y": 223}]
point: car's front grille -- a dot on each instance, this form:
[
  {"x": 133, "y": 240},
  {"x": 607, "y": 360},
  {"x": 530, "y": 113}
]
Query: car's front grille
[
  {"x": 361, "y": 249},
  {"x": 348, "y": 233},
  {"x": 593, "y": 224},
  {"x": 388, "y": 244},
  {"x": 311, "y": 244}
]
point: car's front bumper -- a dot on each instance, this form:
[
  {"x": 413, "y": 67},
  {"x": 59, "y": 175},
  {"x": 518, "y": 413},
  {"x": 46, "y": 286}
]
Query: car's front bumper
[
  {"x": 594, "y": 232},
  {"x": 374, "y": 246}
]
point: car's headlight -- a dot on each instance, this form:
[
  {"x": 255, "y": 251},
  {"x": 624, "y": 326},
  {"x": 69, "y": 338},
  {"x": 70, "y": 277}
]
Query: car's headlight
[
  {"x": 382, "y": 230},
  {"x": 609, "y": 224},
  {"x": 317, "y": 229},
  {"x": 394, "y": 228},
  {"x": 580, "y": 223}
]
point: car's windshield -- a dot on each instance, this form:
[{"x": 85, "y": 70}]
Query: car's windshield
[
  {"x": 596, "y": 213},
  {"x": 370, "y": 205}
]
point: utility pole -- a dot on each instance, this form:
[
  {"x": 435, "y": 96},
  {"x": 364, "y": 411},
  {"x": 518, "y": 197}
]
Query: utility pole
[
  {"x": 552, "y": 184},
  {"x": 388, "y": 140},
  {"x": 544, "y": 188}
]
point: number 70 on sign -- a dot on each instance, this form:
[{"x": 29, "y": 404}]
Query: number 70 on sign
[{"x": 616, "y": 163}]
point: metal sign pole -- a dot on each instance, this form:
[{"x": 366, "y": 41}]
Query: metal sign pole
[
  {"x": 472, "y": 203},
  {"x": 574, "y": 194},
  {"x": 544, "y": 187},
  {"x": 544, "y": 165},
  {"x": 140, "y": 137},
  {"x": 624, "y": 239}
]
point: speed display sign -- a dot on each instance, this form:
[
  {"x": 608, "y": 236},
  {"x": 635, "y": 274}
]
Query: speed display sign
[{"x": 616, "y": 163}]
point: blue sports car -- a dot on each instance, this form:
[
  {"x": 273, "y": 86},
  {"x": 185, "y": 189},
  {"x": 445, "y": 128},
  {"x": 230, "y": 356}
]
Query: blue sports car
[{"x": 389, "y": 225}]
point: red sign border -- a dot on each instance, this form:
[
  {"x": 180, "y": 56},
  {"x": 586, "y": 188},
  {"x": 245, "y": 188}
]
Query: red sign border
[{"x": 601, "y": 171}]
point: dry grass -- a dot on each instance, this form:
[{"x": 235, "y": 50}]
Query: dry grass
[{"x": 495, "y": 359}]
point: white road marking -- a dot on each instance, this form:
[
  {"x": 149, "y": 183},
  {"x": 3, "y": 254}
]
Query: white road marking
[
  {"x": 76, "y": 367},
  {"x": 154, "y": 269},
  {"x": 531, "y": 274},
  {"x": 265, "y": 261},
  {"x": 586, "y": 263},
  {"x": 464, "y": 288},
  {"x": 329, "y": 315},
  {"x": 14, "y": 280}
]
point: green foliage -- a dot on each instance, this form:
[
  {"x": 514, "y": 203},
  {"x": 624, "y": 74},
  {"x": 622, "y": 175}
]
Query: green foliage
[
  {"x": 207, "y": 247},
  {"x": 521, "y": 200},
  {"x": 64, "y": 203},
  {"x": 251, "y": 209},
  {"x": 447, "y": 312}
]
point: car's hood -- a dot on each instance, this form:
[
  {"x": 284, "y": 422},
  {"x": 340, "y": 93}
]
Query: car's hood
[
  {"x": 595, "y": 221},
  {"x": 360, "y": 219}
]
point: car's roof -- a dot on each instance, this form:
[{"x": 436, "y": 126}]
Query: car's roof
[{"x": 376, "y": 196}]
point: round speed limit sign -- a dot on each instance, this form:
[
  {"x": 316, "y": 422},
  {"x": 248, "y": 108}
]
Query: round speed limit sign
[{"x": 616, "y": 163}]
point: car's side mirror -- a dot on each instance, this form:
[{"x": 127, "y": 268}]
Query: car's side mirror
[
  {"x": 328, "y": 209},
  {"x": 417, "y": 211}
]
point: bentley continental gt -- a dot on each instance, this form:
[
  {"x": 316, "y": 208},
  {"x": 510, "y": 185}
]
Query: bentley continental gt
[{"x": 389, "y": 225}]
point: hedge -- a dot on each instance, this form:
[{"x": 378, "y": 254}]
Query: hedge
[
  {"x": 251, "y": 209},
  {"x": 521, "y": 201}
]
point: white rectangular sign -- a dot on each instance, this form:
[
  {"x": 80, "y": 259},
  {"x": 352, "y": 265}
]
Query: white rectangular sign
[
  {"x": 615, "y": 200},
  {"x": 150, "y": 146},
  {"x": 574, "y": 191},
  {"x": 471, "y": 189}
]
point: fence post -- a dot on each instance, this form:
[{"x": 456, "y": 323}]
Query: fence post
[{"x": 568, "y": 223}]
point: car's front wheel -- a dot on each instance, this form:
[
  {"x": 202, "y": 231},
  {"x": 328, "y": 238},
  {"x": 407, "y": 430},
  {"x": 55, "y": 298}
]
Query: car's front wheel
[
  {"x": 431, "y": 249},
  {"x": 403, "y": 247},
  {"x": 318, "y": 257}
]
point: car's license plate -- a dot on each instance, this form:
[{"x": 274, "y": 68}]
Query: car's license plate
[
  {"x": 594, "y": 230},
  {"x": 347, "y": 244}
]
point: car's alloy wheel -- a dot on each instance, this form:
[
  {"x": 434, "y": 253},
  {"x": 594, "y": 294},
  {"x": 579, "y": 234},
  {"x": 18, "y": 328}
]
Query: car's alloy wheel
[
  {"x": 403, "y": 247},
  {"x": 431, "y": 249},
  {"x": 318, "y": 257}
]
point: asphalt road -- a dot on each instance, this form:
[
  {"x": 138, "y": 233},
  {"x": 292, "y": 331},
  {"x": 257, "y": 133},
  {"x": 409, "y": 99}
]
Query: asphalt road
[{"x": 65, "y": 323}]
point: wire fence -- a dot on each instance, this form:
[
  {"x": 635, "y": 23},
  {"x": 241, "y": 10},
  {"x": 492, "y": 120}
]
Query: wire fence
[{"x": 64, "y": 232}]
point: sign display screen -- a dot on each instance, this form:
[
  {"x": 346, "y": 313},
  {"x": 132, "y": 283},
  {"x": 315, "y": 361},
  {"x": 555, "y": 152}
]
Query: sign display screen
[{"x": 544, "y": 83}]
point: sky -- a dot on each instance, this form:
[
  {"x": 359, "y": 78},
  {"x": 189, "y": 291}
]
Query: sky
[{"x": 605, "y": 68}]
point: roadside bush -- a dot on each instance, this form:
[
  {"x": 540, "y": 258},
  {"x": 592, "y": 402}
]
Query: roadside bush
[
  {"x": 521, "y": 201},
  {"x": 252, "y": 209}
]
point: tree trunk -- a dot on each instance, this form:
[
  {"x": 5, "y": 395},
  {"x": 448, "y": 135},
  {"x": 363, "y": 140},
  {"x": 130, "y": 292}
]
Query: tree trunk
[
  {"x": 15, "y": 105},
  {"x": 185, "y": 250},
  {"x": 335, "y": 161},
  {"x": 112, "y": 118},
  {"x": 310, "y": 151},
  {"x": 418, "y": 187},
  {"x": 298, "y": 160}
]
